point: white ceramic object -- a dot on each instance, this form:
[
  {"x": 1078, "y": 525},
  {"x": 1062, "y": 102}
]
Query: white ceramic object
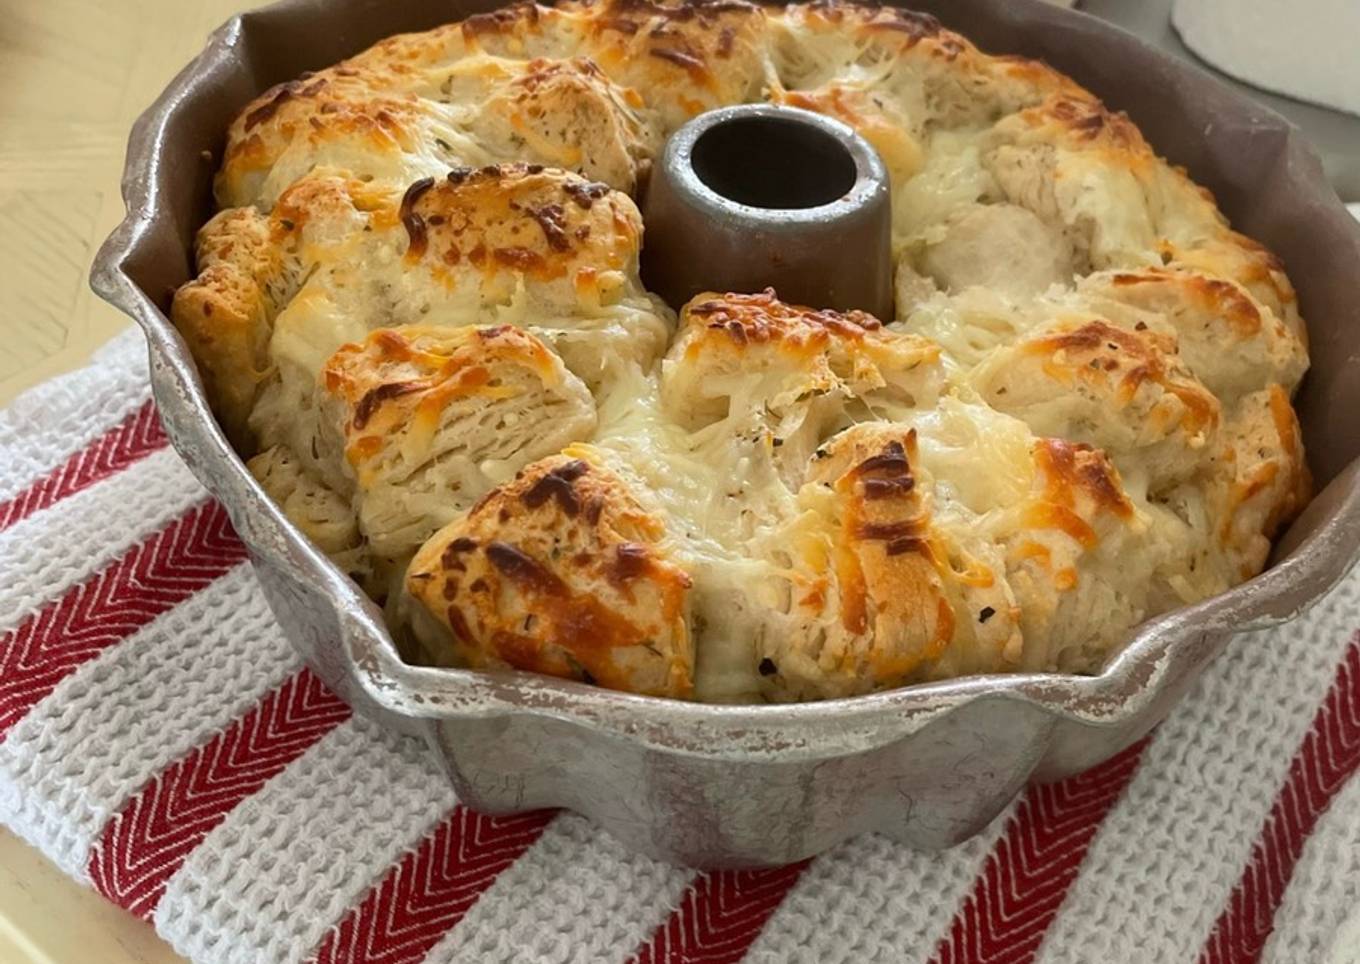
[{"x": 1306, "y": 49}]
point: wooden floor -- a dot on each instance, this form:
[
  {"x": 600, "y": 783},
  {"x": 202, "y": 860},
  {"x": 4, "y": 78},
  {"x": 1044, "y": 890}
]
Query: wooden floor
[{"x": 73, "y": 76}]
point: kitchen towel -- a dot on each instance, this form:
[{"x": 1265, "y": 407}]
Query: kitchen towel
[{"x": 160, "y": 741}]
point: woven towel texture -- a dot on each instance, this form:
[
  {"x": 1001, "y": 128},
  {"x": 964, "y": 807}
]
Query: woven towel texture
[{"x": 160, "y": 741}]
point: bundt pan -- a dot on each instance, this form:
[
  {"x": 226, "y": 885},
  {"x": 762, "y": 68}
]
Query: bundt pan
[{"x": 731, "y": 786}]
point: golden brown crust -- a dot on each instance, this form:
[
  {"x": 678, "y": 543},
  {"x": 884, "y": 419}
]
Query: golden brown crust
[
  {"x": 881, "y": 594},
  {"x": 685, "y": 57},
  {"x": 1230, "y": 340},
  {"x": 516, "y": 21},
  {"x": 384, "y": 106},
  {"x": 1123, "y": 362},
  {"x": 526, "y": 219},
  {"x": 803, "y": 351},
  {"x": 568, "y": 114},
  {"x": 332, "y": 109},
  {"x": 562, "y": 571},
  {"x": 1219, "y": 299},
  {"x": 225, "y": 314},
  {"x": 1079, "y": 557},
  {"x": 872, "y": 115},
  {"x": 1084, "y": 123},
  {"x": 738, "y": 320},
  {"x": 1153, "y": 210},
  {"x": 468, "y": 233},
  {"x": 1228, "y": 254},
  {"x": 1081, "y": 479},
  {"x": 406, "y": 378},
  {"x": 1123, "y": 389},
  {"x": 792, "y": 374},
  {"x": 881, "y": 541},
  {"x": 1260, "y": 481},
  {"x": 431, "y": 417}
]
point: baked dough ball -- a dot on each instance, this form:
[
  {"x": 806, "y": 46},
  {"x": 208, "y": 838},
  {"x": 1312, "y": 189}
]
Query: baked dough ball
[
  {"x": 1263, "y": 491},
  {"x": 330, "y": 121},
  {"x": 1002, "y": 247},
  {"x": 1227, "y": 254},
  {"x": 1088, "y": 172},
  {"x": 1124, "y": 391},
  {"x": 323, "y": 515},
  {"x": 801, "y": 373},
  {"x": 915, "y": 564},
  {"x": 938, "y": 78},
  {"x": 226, "y": 314},
  {"x": 685, "y": 58},
  {"x": 1233, "y": 343},
  {"x": 564, "y": 571},
  {"x": 735, "y": 348},
  {"x": 551, "y": 251},
  {"x": 1257, "y": 481},
  {"x": 1081, "y": 551},
  {"x": 471, "y": 240},
  {"x": 562, "y": 86},
  {"x": 879, "y": 592},
  {"x": 402, "y": 110},
  {"x": 515, "y": 244},
  {"x": 1082, "y": 169},
  {"x": 1080, "y": 555},
  {"x": 569, "y": 115},
  {"x": 1228, "y": 340},
  {"x": 418, "y": 422}
]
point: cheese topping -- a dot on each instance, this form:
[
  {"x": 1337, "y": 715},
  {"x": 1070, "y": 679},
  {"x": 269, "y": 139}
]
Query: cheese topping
[{"x": 420, "y": 312}]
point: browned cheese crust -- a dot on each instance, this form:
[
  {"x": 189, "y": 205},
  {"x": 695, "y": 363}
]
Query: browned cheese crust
[
  {"x": 561, "y": 571},
  {"x": 419, "y": 313}
]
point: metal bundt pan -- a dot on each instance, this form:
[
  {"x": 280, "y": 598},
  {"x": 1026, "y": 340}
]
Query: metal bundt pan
[{"x": 757, "y": 785}]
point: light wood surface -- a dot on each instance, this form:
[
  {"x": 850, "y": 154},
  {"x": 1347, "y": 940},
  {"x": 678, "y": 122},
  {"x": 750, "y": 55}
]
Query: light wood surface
[
  {"x": 45, "y": 918},
  {"x": 73, "y": 76}
]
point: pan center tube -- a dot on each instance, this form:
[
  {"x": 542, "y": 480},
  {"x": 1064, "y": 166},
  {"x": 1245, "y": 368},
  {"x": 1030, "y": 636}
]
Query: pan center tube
[{"x": 755, "y": 196}]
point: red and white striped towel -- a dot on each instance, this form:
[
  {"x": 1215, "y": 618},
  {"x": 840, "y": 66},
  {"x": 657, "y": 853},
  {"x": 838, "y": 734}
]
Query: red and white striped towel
[{"x": 160, "y": 741}]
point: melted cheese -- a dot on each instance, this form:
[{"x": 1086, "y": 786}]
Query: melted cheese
[{"x": 1075, "y": 563}]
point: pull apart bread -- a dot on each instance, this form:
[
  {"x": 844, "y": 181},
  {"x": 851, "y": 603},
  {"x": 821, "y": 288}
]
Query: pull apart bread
[{"x": 418, "y": 313}]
